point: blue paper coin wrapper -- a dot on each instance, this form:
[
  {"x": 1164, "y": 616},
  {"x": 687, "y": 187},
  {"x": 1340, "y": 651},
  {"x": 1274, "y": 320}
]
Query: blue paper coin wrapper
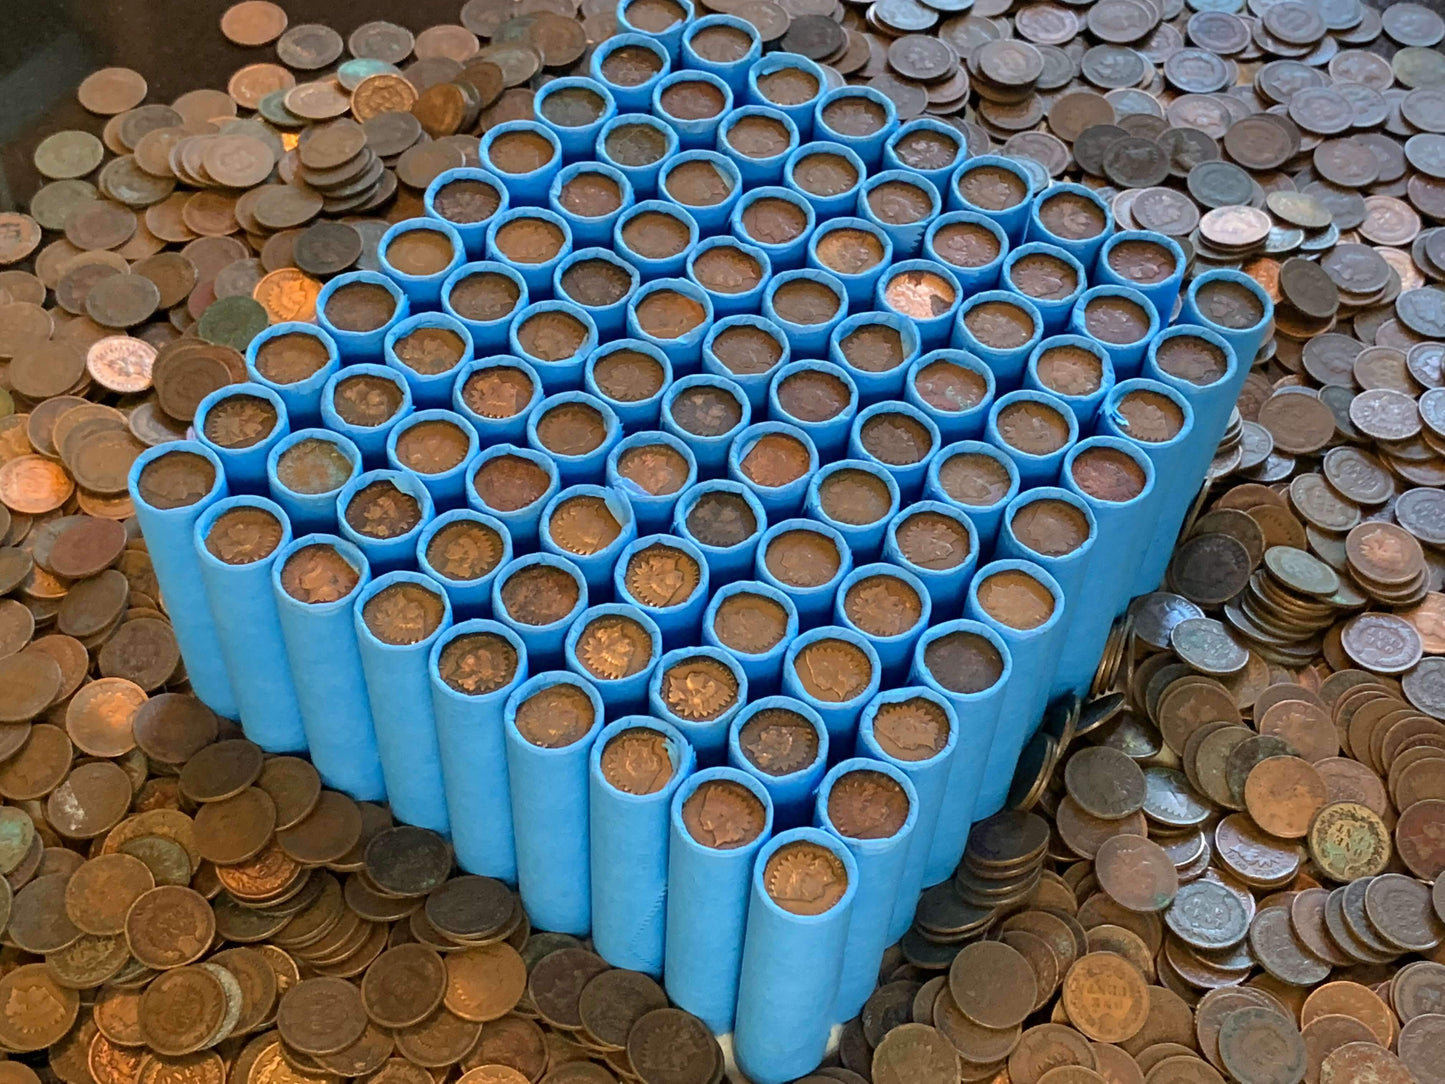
[{"x": 540, "y": 596}]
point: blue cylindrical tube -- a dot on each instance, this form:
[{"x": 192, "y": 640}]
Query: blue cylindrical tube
[
  {"x": 1085, "y": 225},
  {"x": 596, "y": 567},
  {"x": 694, "y": 133},
  {"x": 881, "y": 863},
  {"x": 976, "y": 663},
  {"x": 431, "y": 383},
  {"x": 312, "y": 507},
  {"x": 590, "y": 230},
  {"x": 895, "y": 649},
  {"x": 710, "y": 451},
  {"x": 758, "y": 162},
  {"x": 654, "y": 267},
  {"x": 707, "y": 904},
  {"x": 839, "y": 708},
  {"x": 915, "y": 730},
  {"x": 814, "y": 600},
  {"x": 576, "y": 139},
  {"x": 544, "y": 641},
  {"x": 933, "y": 319},
  {"x": 860, "y": 118},
  {"x": 732, "y": 291},
  {"x": 943, "y": 557},
  {"x": 239, "y": 443},
  {"x": 652, "y": 507},
  {"x": 370, "y": 440},
  {"x": 777, "y": 500},
  {"x": 850, "y": 518},
  {"x": 637, "y": 413},
  {"x": 993, "y": 194},
  {"x": 501, "y": 498},
  {"x": 790, "y": 971},
  {"x": 669, "y": 37},
  {"x": 636, "y": 163},
  {"x": 789, "y": 83},
  {"x": 631, "y": 78},
  {"x": 1049, "y": 293},
  {"x": 400, "y": 694},
  {"x": 734, "y": 72},
  {"x": 762, "y": 664},
  {"x": 479, "y": 195},
  {"x": 589, "y": 466},
  {"x": 419, "y": 281},
  {"x": 973, "y": 246},
  {"x": 535, "y": 267},
  {"x": 679, "y": 617},
  {"x": 748, "y": 351},
  {"x": 465, "y": 567},
  {"x": 629, "y": 845},
  {"x": 541, "y": 340},
  {"x": 909, "y": 474},
  {"x": 676, "y": 671},
  {"x": 829, "y": 432},
  {"x": 249, "y": 632},
  {"x": 1152, "y": 275},
  {"x": 357, "y": 345},
  {"x": 496, "y": 395},
  {"x": 830, "y": 194},
  {"x": 907, "y": 235},
  {"x": 385, "y": 554},
  {"x": 683, "y": 346},
  {"x": 299, "y": 390},
  {"x": 859, "y": 345},
  {"x": 711, "y": 217},
  {"x": 1035, "y": 468},
  {"x": 627, "y": 692},
  {"x": 447, "y": 486},
  {"x": 1214, "y": 301},
  {"x": 856, "y": 268},
  {"x": 1128, "y": 356},
  {"x": 1033, "y": 653},
  {"x": 486, "y": 323},
  {"x": 1058, "y": 367},
  {"x": 473, "y": 668},
  {"x": 791, "y": 787},
  {"x": 725, "y": 563},
  {"x": 982, "y": 482},
  {"x": 325, "y": 659},
  {"x": 786, "y": 249},
  {"x": 1115, "y": 479},
  {"x": 953, "y": 389},
  {"x": 609, "y": 319},
  {"x": 169, "y": 529},
  {"x": 1005, "y": 318},
  {"x": 928, "y": 148},
  {"x": 807, "y": 330},
  {"x": 529, "y": 176},
  {"x": 547, "y": 777}
]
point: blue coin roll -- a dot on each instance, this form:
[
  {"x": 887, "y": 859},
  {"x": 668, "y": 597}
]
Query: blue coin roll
[
  {"x": 423, "y": 287},
  {"x": 237, "y": 443},
  {"x": 597, "y": 565},
  {"x": 399, "y": 690},
  {"x": 765, "y": 167},
  {"x": 321, "y": 645},
  {"x": 169, "y": 534},
  {"x": 1036, "y": 278},
  {"x": 934, "y": 552},
  {"x": 679, "y": 618},
  {"x": 859, "y": 334},
  {"x": 582, "y": 466},
  {"x": 778, "y": 501},
  {"x": 790, "y": 971},
  {"x": 986, "y": 254},
  {"x": 629, "y": 852},
  {"x": 790, "y": 787},
  {"x": 385, "y": 554},
  {"x": 994, "y": 195},
  {"x": 839, "y": 202},
  {"x": 1163, "y": 294},
  {"x": 370, "y": 440},
  {"x": 357, "y": 346},
  {"x": 682, "y": 347},
  {"x": 302, "y": 396},
  {"x": 1215, "y": 301},
  {"x": 711, "y": 217},
  {"x": 652, "y": 510},
  {"x": 561, "y": 373},
  {"x": 669, "y": 38},
  {"x": 881, "y": 861},
  {"x": 634, "y": 414},
  {"x": 693, "y": 133},
  {"x": 652, "y": 267},
  {"x": 809, "y": 337},
  {"x": 903, "y": 430},
  {"x": 934, "y": 330},
  {"x": 609, "y": 319},
  {"x": 895, "y": 648},
  {"x": 471, "y": 596},
  {"x": 576, "y": 140},
  {"x": 763, "y": 667},
  {"x": 976, "y": 704},
  {"x": 548, "y": 783},
  {"x": 743, "y": 295},
  {"x": 863, "y": 536},
  {"x": 707, "y": 902},
  {"x": 528, "y": 187},
  {"x": 858, "y": 270},
  {"x": 508, "y": 404},
  {"x": 628, "y": 691},
  {"x": 473, "y": 232},
  {"x": 733, "y": 72},
  {"x": 1118, "y": 494},
  {"x": 1125, "y": 342},
  {"x": 1069, "y": 382},
  {"x": 470, "y": 730},
  {"x": 1032, "y": 650},
  {"x": 829, "y": 433},
  {"x": 489, "y": 335},
  {"x": 641, "y": 174},
  {"x": 907, "y": 235},
  {"x": 915, "y": 730},
  {"x": 725, "y": 563},
  {"x": 755, "y": 384},
  {"x": 711, "y": 451},
  {"x": 545, "y": 642},
  {"x": 956, "y": 396},
  {"x": 1073, "y": 218},
  {"x": 798, "y": 69},
  {"x": 522, "y": 519},
  {"x": 708, "y": 736},
  {"x": 998, "y": 311},
  {"x": 838, "y": 704},
  {"x": 785, "y": 252},
  {"x": 985, "y": 495},
  {"x": 814, "y": 600},
  {"x": 447, "y": 486},
  {"x": 536, "y": 273},
  {"x": 238, "y": 588},
  {"x": 900, "y": 145},
  {"x": 636, "y": 94},
  {"x": 1035, "y": 468},
  {"x": 841, "y": 108},
  {"x": 312, "y": 508}
]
